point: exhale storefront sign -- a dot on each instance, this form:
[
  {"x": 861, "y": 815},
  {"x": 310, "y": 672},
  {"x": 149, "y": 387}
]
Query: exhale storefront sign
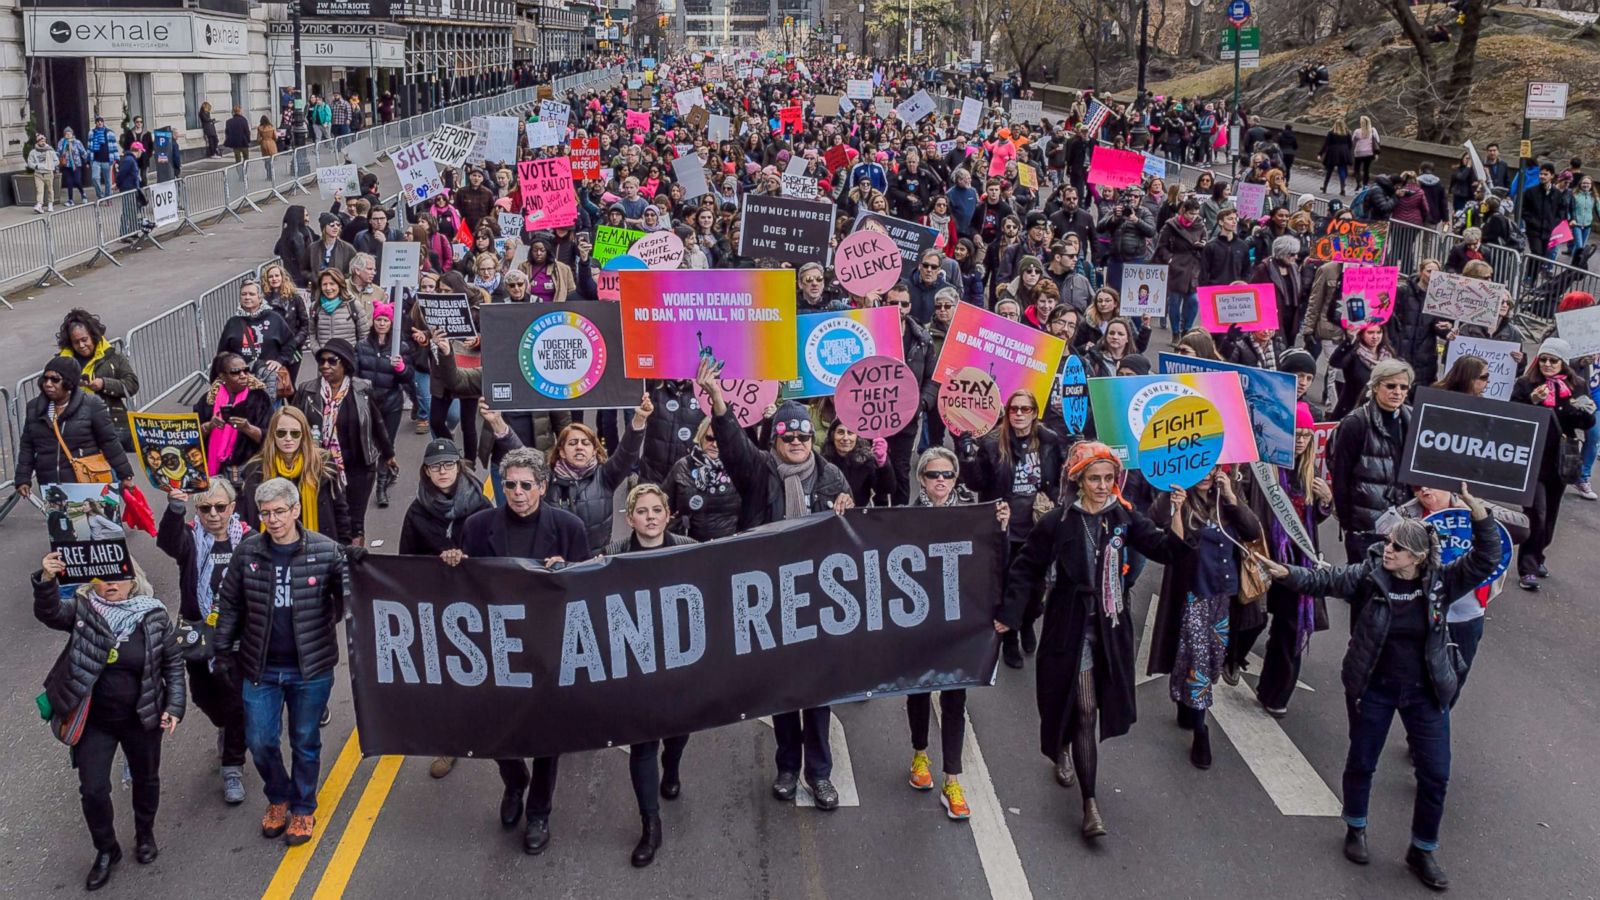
[{"x": 113, "y": 34}]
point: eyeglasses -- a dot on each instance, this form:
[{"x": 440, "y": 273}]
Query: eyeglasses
[
  {"x": 944, "y": 306},
  {"x": 441, "y": 468},
  {"x": 1549, "y": 361},
  {"x": 327, "y": 361},
  {"x": 51, "y": 379},
  {"x": 210, "y": 507},
  {"x": 1019, "y": 410},
  {"x": 794, "y": 438},
  {"x": 275, "y": 513},
  {"x": 523, "y": 486},
  {"x": 287, "y": 433},
  {"x": 939, "y": 474},
  {"x": 239, "y": 371}
]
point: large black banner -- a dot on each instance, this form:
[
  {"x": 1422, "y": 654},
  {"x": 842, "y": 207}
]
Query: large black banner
[
  {"x": 786, "y": 229},
  {"x": 499, "y": 658},
  {"x": 544, "y": 356},
  {"x": 1495, "y": 446}
]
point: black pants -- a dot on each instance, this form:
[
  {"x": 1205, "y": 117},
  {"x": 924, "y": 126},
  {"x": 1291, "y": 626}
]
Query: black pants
[
  {"x": 92, "y": 757},
  {"x": 804, "y": 732},
  {"x": 1542, "y": 517},
  {"x": 391, "y": 422},
  {"x": 439, "y": 418},
  {"x": 1280, "y": 663},
  {"x": 224, "y": 706},
  {"x": 646, "y": 773},
  {"x": 1035, "y": 607},
  {"x": 542, "y": 794},
  {"x": 357, "y": 491},
  {"x": 1363, "y": 170},
  {"x": 952, "y": 725},
  {"x": 901, "y": 445}
]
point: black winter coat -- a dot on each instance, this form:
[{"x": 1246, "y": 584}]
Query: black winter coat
[
  {"x": 591, "y": 498},
  {"x": 755, "y": 476},
  {"x": 333, "y": 513},
  {"x": 1363, "y": 466},
  {"x": 559, "y": 533},
  {"x": 376, "y": 366},
  {"x": 119, "y": 383},
  {"x": 264, "y": 336},
  {"x": 1413, "y": 334},
  {"x": 90, "y": 641},
  {"x": 1224, "y": 261},
  {"x": 991, "y": 477},
  {"x": 669, "y": 431},
  {"x": 85, "y": 427},
  {"x": 704, "y": 506},
  {"x": 425, "y": 532},
  {"x": 319, "y": 586}
]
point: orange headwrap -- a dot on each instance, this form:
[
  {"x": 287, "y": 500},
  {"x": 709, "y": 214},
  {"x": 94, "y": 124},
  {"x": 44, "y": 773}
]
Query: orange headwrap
[{"x": 1085, "y": 454}]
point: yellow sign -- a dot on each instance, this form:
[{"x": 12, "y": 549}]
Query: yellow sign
[{"x": 1526, "y": 150}]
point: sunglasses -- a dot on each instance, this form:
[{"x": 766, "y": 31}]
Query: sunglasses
[
  {"x": 811, "y": 280},
  {"x": 235, "y": 371},
  {"x": 903, "y": 304},
  {"x": 51, "y": 379},
  {"x": 794, "y": 438},
  {"x": 944, "y": 306},
  {"x": 929, "y": 266},
  {"x": 327, "y": 360},
  {"x": 939, "y": 474},
  {"x": 210, "y": 507},
  {"x": 1019, "y": 410},
  {"x": 524, "y": 486},
  {"x": 286, "y": 433}
]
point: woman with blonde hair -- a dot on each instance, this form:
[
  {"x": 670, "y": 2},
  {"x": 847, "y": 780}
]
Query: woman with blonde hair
[
  {"x": 291, "y": 451},
  {"x": 1365, "y": 148},
  {"x": 278, "y": 289}
]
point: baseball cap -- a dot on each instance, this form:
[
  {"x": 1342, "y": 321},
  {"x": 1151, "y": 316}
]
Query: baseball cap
[{"x": 440, "y": 450}]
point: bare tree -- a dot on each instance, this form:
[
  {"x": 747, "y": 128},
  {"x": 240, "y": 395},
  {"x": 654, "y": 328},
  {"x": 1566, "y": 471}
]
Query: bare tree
[{"x": 1441, "y": 105}]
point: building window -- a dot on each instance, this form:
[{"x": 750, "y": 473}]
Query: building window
[
  {"x": 141, "y": 99},
  {"x": 239, "y": 92},
  {"x": 194, "y": 92}
]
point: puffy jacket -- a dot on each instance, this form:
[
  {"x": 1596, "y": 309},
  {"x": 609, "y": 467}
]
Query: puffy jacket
[
  {"x": 318, "y": 589},
  {"x": 669, "y": 432},
  {"x": 589, "y": 498},
  {"x": 755, "y": 476},
  {"x": 1363, "y": 462},
  {"x": 1366, "y": 585},
  {"x": 625, "y": 545},
  {"x": 704, "y": 503},
  {"x": 1410, "y": 206},
  {"x": 85, "y": 427},
  {"x": 333, "y": 514},
  {"x": 1179, "y": 248},
  {"x": 376, "y": 366}
]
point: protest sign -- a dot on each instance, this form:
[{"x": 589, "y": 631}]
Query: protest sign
[
  {"x": 638, "y": 121},
  {"x": 882, "y": 106},
  {"x": 825, "y": 105},
  {"x": 969, "y": 403},
  {"x": 448, "y": 314},
  {"x": 791, "y": 118},
  {"x": 1351, "y": 241},
  {"x": 611, "y": 241},
  {"x": 1018, "y": 356},
  {"x": 585, "y": 156},
  {"x": 1122, "y": 407},
  {"x": 543, "y": 134},
  {"x": 164, "y": 201},
  {"x": 745, "y": 398},
  {"x": 1027, "y": 110},
  {"x": 450, "y": 144},
  {"x": 1155, "y": 166},
  {"x": 867, "y": 261},
  {"x": 689, "y": 99},
  {"x": 718, "y": 128},
  {"x": 1462, "y": 299},
  {"x": 858, "y": 89},
  {"x": 1252, "y": 307},
  {"x": 785, "y": 229},
  {"x": 971, "y": 115},
  {"x": 334, "y": 181},
  {"x": 1027, "y": 176},
  {"x": 1453, "y": 527},
  {"x": 831, "y": 342},
  {"x": 658, "y": 250},
  {"x": 478, "y": 661},
  {"x": 744, "y": 318},
  {"x": 510, "y": 223},
  {"x": 1560, "y": 234},
  {"x": 554, "y": 112},
  {"x": 361, "y": 153},
  {"x": 1074, "y": 389},
  {"x": 691, "y": 173},
  {"x": 796, "y": 166},
  {"x": 1180, "y": 443},
  {"x": 549, "y": 357},
  {"x": 877, "y": 397},
  {"x": 1581, "y": 329},
  {"x": 399, "y": 264},
  {"x": 837, "y": 157},
  {"x": 500, "y": 142},
  {"x": 547, "y": 197},
  {"x": 1495, "y": 447},
  {"x": 1113, "y": 168},
  {"x": 1478, "y": 170},
  {"x": 419, "y": 177},
  {"x": 911, "y": 238},
  {"x": 1269, "y": 395},
  {"x": 1497, "y": 354},
  {"x": 1251, "y": 199},
  {"x": 800, "y": 187},
  {"x": 1324, "y": 432},
  {"x": 1367, "y": 294},
  {"x": 84, "y": 522},
  {"x": 1145, "y": 287},
  {"x": 170, "y": 447}
]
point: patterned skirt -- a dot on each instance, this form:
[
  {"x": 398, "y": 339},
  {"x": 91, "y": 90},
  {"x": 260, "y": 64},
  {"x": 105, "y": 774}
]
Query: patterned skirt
[{"x": 1202, "y": 650}]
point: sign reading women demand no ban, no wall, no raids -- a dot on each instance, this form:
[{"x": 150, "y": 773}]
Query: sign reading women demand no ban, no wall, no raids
[
  {"x": 742, "y": 318},
  {"x": 539, "y": 356}
]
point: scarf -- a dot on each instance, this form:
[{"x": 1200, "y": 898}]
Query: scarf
[
  {"x": 100, "y": 350},
  {"x": 798, "y": 480},
  {"x": 330, "y": 305},
  {"x": 1557, "y": 383},
  {"x": 331, "y": 402},
  {"x": 1371, "y": 356},
  {"x": 308, "y": 491},
  {"x": 122, "y": 618},
  {"x": 490, "y": 286},
  {"x": 567, "y": 472},
  {"x": 1110, "y": 561},
  {"x": 203, "y": 542},
  {"x": 940, "y": 224},
  {"x": 221, "y": 441}
]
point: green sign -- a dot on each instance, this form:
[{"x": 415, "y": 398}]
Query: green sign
[
  {"x": 1250, "y": 38},
  {"x": 610, "y": 242}
]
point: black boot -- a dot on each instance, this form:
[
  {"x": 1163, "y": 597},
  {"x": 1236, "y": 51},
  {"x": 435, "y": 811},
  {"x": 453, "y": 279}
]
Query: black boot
[
  {"x": 1185, "y": 717},
  {"x": 1011, "y": 650},
  {"x": 1200, "y": 753},
  {"x": 1030, "y": 640},
  {"x": 1355, "y": 845},
  {"x": 644, "y": 853},
  {"x": 145, "y": 849},
  {"x": 536, "y": 837},
  {"x": 1427, "y": 869},
  {"x": 100, "y": 872},
  {"x": 670, "y": 785},
  {"x": 383, "y": 491}
]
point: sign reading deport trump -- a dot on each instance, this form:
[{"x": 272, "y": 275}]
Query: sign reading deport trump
[{"x": 1493, "y": 446}]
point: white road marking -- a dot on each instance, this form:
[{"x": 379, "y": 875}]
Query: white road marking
[
  {"x": 1142, "y": 661},
  {"x": 1284, "y": 773},
  {"x": 1002, "y": 866},
  {"x": 844, "y": 775},
  {"x": 1258, "y": 664}
]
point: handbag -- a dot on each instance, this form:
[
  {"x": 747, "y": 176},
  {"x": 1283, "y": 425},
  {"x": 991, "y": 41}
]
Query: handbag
[
  {"x": 1254, "y": 582},
  {"x": 91, "y": 468},
  {"x": 66, "y": 725},
  {"x": 193, "y": 640}
]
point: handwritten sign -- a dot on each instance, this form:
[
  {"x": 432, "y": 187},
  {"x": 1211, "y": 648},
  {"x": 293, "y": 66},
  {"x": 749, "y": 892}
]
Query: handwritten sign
[
  {"x": 969, "y": 403},
  {"x": 548, "y": 200},
  {"x": 1463, "y": 299},
  {"x": 1581, "y": 329},
  {"x": 877, "y": 397},
  {"x": 335, "y": 180},
  {"x": 450, "y": 145},
  {"x": 1252, "y": 199},
  {"x": 611, "y": 241},
  {"x": 1252, "y": 307},
  {"x": 1367, "y": 294},
  {"x": 419, "y": 177},
  {"x": 585, "y": 156},
  {"x": 1497, "y": 354},
  {"x": 801, "y": 187},
  {"x": 1145, "y": 288},
  {"x": 659, "y": 250},
  {"x": 1351, "y": 241},
  {"x": 1113, "y": 168}
]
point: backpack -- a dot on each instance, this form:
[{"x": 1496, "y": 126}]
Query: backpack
[{"x": 1358, "y": 206}]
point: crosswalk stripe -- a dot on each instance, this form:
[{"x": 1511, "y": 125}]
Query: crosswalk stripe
[
  {"x": 1002, "y": 866},
  {"x": 1146, "y": 638},
  {"x": 844, "y": 774},
  {"x": 1283, "y": 771}
]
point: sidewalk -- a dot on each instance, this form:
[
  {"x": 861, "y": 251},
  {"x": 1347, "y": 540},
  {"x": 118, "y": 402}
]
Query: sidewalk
[{"x": 21, "y": 212}]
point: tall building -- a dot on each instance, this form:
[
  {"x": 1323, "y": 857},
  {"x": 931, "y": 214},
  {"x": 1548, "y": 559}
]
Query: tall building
[{"x": 743, "y": 23}]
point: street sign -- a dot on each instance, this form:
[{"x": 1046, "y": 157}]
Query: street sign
[
  {"x": 1546, "y": 100},
  {"x": 1238, "y": 12},
  {"x": 1245, "y": 40}
]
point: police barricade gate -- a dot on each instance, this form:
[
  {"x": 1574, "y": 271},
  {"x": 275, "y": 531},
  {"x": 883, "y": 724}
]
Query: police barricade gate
[
  {"x": 76, "y": 231},
  {"x": 204, "y": 194},
  {"x": 25, "y": 252},
  {"x": 166, "y": 351}
]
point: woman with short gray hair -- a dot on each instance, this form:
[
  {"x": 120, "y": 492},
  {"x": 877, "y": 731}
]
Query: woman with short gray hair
[{"x": 1364, "y": 456}]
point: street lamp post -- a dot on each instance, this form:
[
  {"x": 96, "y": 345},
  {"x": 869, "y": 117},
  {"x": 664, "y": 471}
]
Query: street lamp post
[{"x": 862, "y": 9}]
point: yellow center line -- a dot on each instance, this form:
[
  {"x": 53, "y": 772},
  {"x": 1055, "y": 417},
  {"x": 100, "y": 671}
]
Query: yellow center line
[
  {"x": 354, "y": 839},
  {"x": 295, "y": 859}
]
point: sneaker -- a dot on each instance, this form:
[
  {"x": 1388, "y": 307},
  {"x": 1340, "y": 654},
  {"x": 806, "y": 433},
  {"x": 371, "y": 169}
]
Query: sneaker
[
  {"x": 1585, "y": 491},
  {"x": 300, "y": 828},
  {"x": 785, "y": 786},
  {"x": 421, "y": 427},
  {"x": 38, "y": 208},
  {"x": 824, "y": 793},
  {"x": 232, "y": 785},
  {"x": 1541, "y": 571},
  {"x": 955, "y": 803},
  {"x": 327, "y": 716},
  {"x": 275, "y": 821},
  {"x": 50, "y": 208},
  {"x": 1528, "y": 582},
  {"x": 921, "y": 777}
]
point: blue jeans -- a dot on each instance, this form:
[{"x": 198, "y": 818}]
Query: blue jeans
[
  {"x": 1580, "y": 237},
  {"x": 1466, "y": 635},
  {"x": 264, "y": 702},
  {"x": 1182, "y": 310},
  {"x": 1427, "y": 731},
  {"x": 102, "y": 179},
  {"x": 1591, "y": 446}
]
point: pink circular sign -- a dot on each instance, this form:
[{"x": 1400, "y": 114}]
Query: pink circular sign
[
  {"x": 867, "y": 261},
  {"x": 659, "y": 250},
  {"x": 877, "y": 396},
  {"x": 748, "y": 399},
  {"x": 969, "y": 403}
]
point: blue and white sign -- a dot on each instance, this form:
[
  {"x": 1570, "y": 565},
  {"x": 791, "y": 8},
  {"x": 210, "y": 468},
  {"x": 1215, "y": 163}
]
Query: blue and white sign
[
  {"x": 1074, "y": 394},
  {"x": 1455, "y": 539},
  {"x": 1238, "y": 12}
]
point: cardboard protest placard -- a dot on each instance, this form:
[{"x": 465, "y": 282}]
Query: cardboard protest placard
[
  {"x": 1027, "y": 176},
  {"x": 911, "y": 238},
  {"x": 84, "y": 522},
  {"x": 786, "y": 229},
  {"x": 1110, "y": 167},
  {"x": 859, "y": 89},
  {"x": 169, "y": 446},
  {"x": 691, "y": 173},
  {"x": 500, "y": 140},
  {"x": 450, "y": 144},
  {"x": 698, "y": 117},
  {"x": 639, "y": 103},
  {"x": 543, "y": 134},
  {"x": 1144, "y": 287},
  {"x": 1027, "y": 110},
  {"x": 718, "y": 128},
  {"x": 1252, "y": 307},
  {"x": 400, "y": 264},
  {"x": 1251, "y": 199},
  {"x": 1581, "y": 329},
  {"x": 361, "y": 153},
  {"x": 548, "y": 200},
  {"x": 1351, "y": 241},
  {"x": 969, "y": 403},
  {"x": 585, "y": 156},
  {"x": 744, "y": 318},
  {"x": 800, "y": 187},
  {"x": 1181, "y": 443},
  {"x": 659, "y": 250},
  {"x": 1123, "y": 406},
  {"x": 1495, "y": 447},
  {"x": 1367, "y": 293},
  {"x": 1497, "y": 354},
  {"x": 1270, "y": 396},
  {"x": 448, "y": 314},
  {"x": 867, "y": 261},
  {"x": 509, "y": 224},
  {"x": 1462, "y": 299},
  {"x": 1155, "y": 166},
  {"x": 611, "y": 241},
  {"x": 419, "y": 177},
  {"x": 335, "y": 181},
  {"x": 688, "y": 99},
  {"x": 882, "y": 106},
  {"x": 1018, "y": 356},
  {"x": 554, "y": 112},
  {"x": 825, "y": 105},
  {"x": 831, "y": 342},
  {"x": 971, "y": 115},
  {"x": 878, "y": 396},
  {"x": 550, "y": 357},
  {"x": 746, "y": 398}
]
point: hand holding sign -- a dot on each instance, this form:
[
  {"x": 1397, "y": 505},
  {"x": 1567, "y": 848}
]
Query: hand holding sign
[{"x": 877, "y": 397}]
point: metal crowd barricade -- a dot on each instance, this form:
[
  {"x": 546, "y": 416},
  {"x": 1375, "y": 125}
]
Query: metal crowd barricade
[
  {"x": 216, "y": 307},
  {"x": 25, "y": 251},
  {"x": 299, "y": 166},
  {"x": 122, "y": 219},
  {"x": 1537, "y": 302},
  {"x": 167, "y": 354},
  {"x": 237, "y": 186},
  {"x": 76, "y": 230},
  {"x": 204, "y": 194}
]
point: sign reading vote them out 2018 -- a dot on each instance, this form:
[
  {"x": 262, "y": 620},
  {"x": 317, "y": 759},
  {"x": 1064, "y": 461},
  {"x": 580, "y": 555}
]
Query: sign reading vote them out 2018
[{"x": 1493, "y": 446}]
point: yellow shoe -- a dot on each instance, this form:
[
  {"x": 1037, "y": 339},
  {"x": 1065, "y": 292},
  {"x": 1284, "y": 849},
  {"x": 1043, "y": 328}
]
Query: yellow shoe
[
  {"x": 921, "y": 777},
  {"x": 955, "y": 803}
]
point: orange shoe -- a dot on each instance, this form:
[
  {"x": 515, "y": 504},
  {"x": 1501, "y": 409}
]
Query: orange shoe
[
  {"x": 300, "y": 828},
  {"x": 921, "y": 777},
  {"x": 276, "y": 819},
  {"x": 955, "y": 802}
]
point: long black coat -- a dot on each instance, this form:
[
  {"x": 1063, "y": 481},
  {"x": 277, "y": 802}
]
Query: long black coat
[{"x": 1177, "y": 580}]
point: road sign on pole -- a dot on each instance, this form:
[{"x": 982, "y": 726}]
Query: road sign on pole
[
  {"x": 1546, "y": 100},
  {"x": 1238, "y": 12}
]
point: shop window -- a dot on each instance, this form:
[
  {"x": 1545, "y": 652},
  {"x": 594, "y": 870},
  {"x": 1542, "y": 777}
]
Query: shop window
[
  {"x": 194, "y": 93},
  {"x": 141, "y": 98}
]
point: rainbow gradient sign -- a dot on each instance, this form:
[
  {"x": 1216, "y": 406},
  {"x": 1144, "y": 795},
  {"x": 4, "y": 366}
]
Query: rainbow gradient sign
[
  {"x": 1018, "y": 357},
  {"x": 1124, "y": 406},
  {"x": 744, "y": 318},
  {"x": 832, "y": 342}
]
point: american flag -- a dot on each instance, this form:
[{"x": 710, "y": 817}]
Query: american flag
[{"x": 1095, "y": 117}]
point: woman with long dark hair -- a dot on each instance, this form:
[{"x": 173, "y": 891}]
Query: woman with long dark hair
[
  {"x": 294, "y": 236},
  {"x": 105, "y": 370}
]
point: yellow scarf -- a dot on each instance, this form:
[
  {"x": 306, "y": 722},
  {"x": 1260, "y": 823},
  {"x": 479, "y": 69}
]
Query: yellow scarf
[
  {"x": 100, "y": 351},
  {"x": 308, "y": 491}
]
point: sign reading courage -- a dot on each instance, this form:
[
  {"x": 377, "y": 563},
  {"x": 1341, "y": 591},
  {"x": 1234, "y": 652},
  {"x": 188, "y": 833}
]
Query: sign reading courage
[{"x": 1493, "y": 446}]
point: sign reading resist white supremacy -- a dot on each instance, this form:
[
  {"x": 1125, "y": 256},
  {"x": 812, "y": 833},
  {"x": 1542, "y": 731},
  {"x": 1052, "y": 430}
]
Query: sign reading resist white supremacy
[{"x": 1493, "y": 446}]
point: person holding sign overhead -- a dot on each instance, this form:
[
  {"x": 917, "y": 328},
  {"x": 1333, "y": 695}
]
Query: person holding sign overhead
[{"x": 1550, "y": 382}]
